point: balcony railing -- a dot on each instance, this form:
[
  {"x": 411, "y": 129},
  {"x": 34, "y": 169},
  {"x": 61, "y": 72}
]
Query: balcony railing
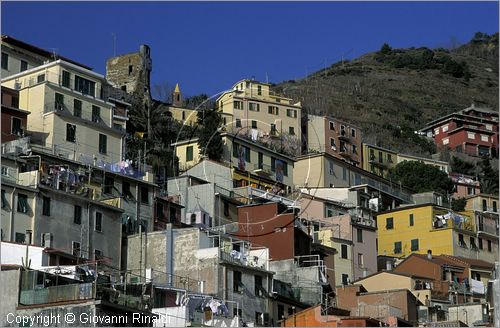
[
  {"x": 53, "y": 294},
  {"x": 488, "y": 229},
  {"x": 263, "y": 168}
]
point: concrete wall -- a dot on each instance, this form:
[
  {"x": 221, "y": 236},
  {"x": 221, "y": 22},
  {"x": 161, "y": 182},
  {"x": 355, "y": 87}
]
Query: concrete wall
[
  {"x": 9, "y": 289},
  {"x": 469, "y": 313},
  {"x": 367, "y": 248},
  {"x": 13, "y": 253},
  {"x": 14, "y": 221}
]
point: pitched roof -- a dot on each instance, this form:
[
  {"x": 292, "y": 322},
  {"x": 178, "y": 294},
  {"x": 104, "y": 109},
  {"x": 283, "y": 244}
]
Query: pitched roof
[
  {"x": 391, "y": 272},
  {"x": 472, "y": 262}
]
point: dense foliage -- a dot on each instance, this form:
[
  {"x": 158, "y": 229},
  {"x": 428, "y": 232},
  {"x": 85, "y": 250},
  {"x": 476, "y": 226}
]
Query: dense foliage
[
  {"x": 421, "y": 177},
  {"x": 209, "y": 137}
]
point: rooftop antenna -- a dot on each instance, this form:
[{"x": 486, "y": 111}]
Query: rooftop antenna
[
  {"x": 54, "y": 53},
  {"x": 267, "y": 78},
  {"x": 113, "y": 35}
]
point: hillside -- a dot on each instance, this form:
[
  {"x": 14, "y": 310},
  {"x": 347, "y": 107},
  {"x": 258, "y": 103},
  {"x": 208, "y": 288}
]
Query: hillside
[{"x": 393, "y": 92}]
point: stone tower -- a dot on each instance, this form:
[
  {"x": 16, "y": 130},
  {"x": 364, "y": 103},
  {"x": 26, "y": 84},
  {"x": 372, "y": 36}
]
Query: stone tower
[
  {"x": 131, "y": 72},
  {"x": 177, "y": 99}
]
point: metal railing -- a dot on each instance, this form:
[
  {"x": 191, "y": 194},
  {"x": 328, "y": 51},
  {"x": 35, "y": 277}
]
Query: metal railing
[{"x": 53, "y": 294}]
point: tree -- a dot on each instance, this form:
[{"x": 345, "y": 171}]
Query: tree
[
  {"x": 460, "y": 166},
  {"x": 458, "y": 204},
  {"x": 386, "y": 49},
  {"x": 421, "y": 177},
  {"x": 209, "y": 138},
  {"x": 488, "y": 177}
]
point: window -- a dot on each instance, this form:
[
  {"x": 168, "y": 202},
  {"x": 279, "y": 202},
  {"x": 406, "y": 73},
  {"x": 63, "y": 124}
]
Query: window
[
  {"x": 65, "y": 79},
  {"x": 389, "y": 223},
  {"x": 333, "y": 144},
  {"x": 485, "y": 205},
  {"x": 5, "y": 61},
  {"x": 77, "y": 214},
  {"x": 494, "y": 206},
  {"x": 489, "y": 245},
  {"x": 98, "y": 221},
  {"x": 343, "y": 252},
  {"x": 226, "y": 208},
  {"x": 5, "y": 171},
  {"x": 15, "y": 102},
  {"x": 259, "y": 288},
  {"x": 260, "y": 160},
  {"x": 259, "y": 90},
  {"x": 359, "y": 234},
  {"x": 254, "y": 124},
  {"x": 332, "y": 125},
  {"x": 183, "y": 115},
  {"x": 273, "y": 129},
  {"x": 291, "y": 130},
  {"x": 254, "y": 107},
  {"x": 109, "y": 184},
  {"x": 470, "y": 190},
  {"x": 281, "y": 312},
  {"x": 59, "y": 101},
  {"x": 4, "y": 199},
  {"x": 397, "y": 247},
  {"x": 258, "y": 319},
  {"x": 273, "y": 110},
  {"x": 345, "y": 279},
  {"x": 237, "y": 312},
  {"x": 77, "y": 108},
  {"x": 237, "y": 284},
  {"x": 76, "y": 248},
  {"x": 291, "y": 112},
  {"x": 238, "y": 123},
  {"x": 22, "y": 203},
  {"x": 344, "y": 173},
  {"x": 103, "y": 143},
  {"x": 484, "y": 138},
  {"x": 473, "y": 243},
  {"x": 380, "y": 157},
  {"x": 130, "y": 69},
  {"x": 20, "y": 237},
  {"x": 238, "y": 104},
  {"x": 436, "y": 131},
  {"x": 360, "y": 260},
  {"x": 46, "y": 206},
  {"x": 144, "y": 195},
  {"x": 235, "y": 150},
  {"x": 189, "y": 153},
  {"x": 461, "y": 241},
  {"x": 24, "y": 66},
  {"x": 445, "y": 128},
  {"x": 489, "y": 127},
  {"x": 40, "y": 78},
  {"x": 471, "y": 135},
  {"x": 96, "y": 114},
  {"x": 411, "y": 220},
  {"x": 354, "y": 149},
  {"x": 97, "y": 254},
  {"x": 84, "y": 86},
  {"x": 414, "y": 245},
  {"x": 353, "y": 133},
  {"x": 16, "y": 126},
  {"x": 70, "y": 132},
  {"x": 446, "y": 141}
]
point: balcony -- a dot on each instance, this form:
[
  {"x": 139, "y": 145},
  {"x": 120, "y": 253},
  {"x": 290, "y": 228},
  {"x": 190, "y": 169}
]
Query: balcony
[
  {"x": 343, "y": 135},
  {"x": 252, "y": 193},
  {"x": 488, "y": 229},
  {"x": 344, "y": 152},
  {"x": 454, "y": 221},
  {"x": 263, "y": 169},
  {"x": 17, "y": 147}
]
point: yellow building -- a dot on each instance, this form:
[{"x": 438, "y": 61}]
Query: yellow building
[
  {"x": 252, "y": 164},
  {"x": 423, "y": 227},
  {"x": 187, "y": 116},
  {"x": 69, "y": 113},
  {"x": 250, "y": 105},
  {"x": 378, "y": 160}
]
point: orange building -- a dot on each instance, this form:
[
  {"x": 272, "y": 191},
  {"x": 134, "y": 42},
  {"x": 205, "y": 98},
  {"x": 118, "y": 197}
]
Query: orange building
[{"x": 313, "y": 317}]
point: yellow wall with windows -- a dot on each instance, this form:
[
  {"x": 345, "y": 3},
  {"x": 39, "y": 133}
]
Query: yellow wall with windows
[
  {"x": 181, "y": 151},
  {"x": 440, "y": 241},
  {"x": 373, "y": 164}
]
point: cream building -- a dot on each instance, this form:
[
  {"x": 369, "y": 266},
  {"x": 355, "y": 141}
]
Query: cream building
[
  {"x": 252, "y": 164},
  {"x": 69, "y": 111},
  {"x": 251, "y": 105}
]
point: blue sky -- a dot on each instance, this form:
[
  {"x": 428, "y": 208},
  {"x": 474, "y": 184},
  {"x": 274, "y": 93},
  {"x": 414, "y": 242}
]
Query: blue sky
[{"x": 207, "y": 46}]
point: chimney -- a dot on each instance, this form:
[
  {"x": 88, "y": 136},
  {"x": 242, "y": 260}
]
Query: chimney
[{"x": 429, "y": 254}]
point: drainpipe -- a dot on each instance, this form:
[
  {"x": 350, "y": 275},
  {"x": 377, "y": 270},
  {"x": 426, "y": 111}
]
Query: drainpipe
[{"x": 11, "y": 230}]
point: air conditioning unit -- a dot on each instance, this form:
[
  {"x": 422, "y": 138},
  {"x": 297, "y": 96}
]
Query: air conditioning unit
[{"x": 47, "y": 239}]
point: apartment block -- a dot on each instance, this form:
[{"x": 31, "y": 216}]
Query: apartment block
[
  {"x": 335, "y": 137},
  {"x": 251, "y": 106},
  {"x": 473, "y": 131}
]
